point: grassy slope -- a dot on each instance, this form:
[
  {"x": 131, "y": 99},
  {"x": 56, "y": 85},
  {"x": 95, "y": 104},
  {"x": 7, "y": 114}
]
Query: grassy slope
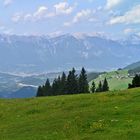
[
  {"x": 118, "y": 80},
  {"x": 108, "y": 116}
]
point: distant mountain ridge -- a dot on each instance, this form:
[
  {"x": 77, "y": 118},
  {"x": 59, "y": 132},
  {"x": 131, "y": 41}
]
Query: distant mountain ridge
[
  {"x": 35, "y": 54},
  {"x": 133, "y": 66}
]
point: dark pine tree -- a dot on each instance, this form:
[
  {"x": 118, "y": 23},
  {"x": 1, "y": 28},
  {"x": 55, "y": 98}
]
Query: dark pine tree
[
  {"x": 40, "y": 92},
  {"x": 55, "y": 87},
  {"x": 93, "y": 87},
  {"x": 47, "y": 88},
  {"x": 100, "y": 87},
  {"x": 59, "y": 86},
  {"x": 69, "y": 83},
  {"x": 72, "y": 82},
  {"x": 105, "y": 85},
  {"x": 135, "y": 82},
  {"x": 63, "y": 84},
  {"x": 130, "y": 86},
  {"x": 82, "y": 82}
]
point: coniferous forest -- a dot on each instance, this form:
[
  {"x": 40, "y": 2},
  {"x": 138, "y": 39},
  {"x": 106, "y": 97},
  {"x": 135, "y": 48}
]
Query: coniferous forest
[{"x": 71, "y": 84}]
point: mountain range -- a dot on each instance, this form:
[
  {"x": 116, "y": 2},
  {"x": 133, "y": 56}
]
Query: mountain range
[
  {"x": 27, "y": 61},
  {"x": 37, "y": 54}
]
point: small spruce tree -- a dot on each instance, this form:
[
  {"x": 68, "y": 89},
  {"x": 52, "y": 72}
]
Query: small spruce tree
[
  {"x": 39, "y": 92},
  {"x": 82, "y": 82},
  {"x": 72, "y": 82},
  {"x": 47, "y": 88},
  {"x": 105, "y": 85},
  {"x": 63, "y": 87},
  {"x": 93, "y": 87},
  {"x": 100, "y": 87},
  {"x": 55, "y": 87},
  {"x": 135, "y": 82}
]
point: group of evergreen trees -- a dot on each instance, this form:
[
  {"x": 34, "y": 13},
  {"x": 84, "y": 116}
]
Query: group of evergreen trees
[
  {"x": 135, "y": 82},
  {"x": 71, "y": 84},
  {"x": 102, "y": 87}
]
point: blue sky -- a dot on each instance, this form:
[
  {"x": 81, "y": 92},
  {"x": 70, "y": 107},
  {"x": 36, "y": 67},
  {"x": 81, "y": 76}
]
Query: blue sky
[{"x": 115, "y": 18}]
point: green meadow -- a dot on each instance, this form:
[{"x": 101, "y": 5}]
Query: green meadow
[{"x": 104, "y": 116}]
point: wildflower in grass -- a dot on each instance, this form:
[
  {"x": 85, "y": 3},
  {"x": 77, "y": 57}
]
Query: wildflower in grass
[
  {"x": 116, "y": 107},
  {"x": 114, "y": 120},
  {"x": 18, "y": 116},
  {"x": 77, "y": 117},
  {"x": 67, "y": 125},
  {"x": 100, "y": 120},
  {"x": 129, "y": 121},
  {"x": 97, "y": 126}
]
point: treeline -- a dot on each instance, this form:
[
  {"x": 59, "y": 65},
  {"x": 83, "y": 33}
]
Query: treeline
[
  {"x": 70, "y": 84},
  {"x": 135, "y": 82}
]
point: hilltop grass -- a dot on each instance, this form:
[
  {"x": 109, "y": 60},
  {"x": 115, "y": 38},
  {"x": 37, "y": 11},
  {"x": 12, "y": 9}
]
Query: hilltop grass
[
  {"x": 103, "y": 116},
  {"x": 117, "y": 80}
]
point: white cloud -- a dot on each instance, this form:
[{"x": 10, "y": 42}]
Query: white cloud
[
  {"x": 130, "y": 17},
  {"x": 40, "y": 13},
  {"x": 138, "y": 33},
  {"x": 82, "y": 16},
  {"x": 128, "y": 31},
  {"x": 92, "y": 20},
  {"x": 67, "y": 24},
  {"x": 99, "y": 8},
  {"x": 6, "y": 30},
  {"x": 7, "y": 2},
  {"x": 85, "y": 55},
  {"x": 17, "y": 17},
  {"x": 28, "y": 17},
  {"x": 43, "y": 13},
  {"x": 51, "y": 14},
  {"x": 63, "y": 8},
  {"x": 97, "y": 53},
  {"x": 2, "y": 28},
  {"x": 112, "y": 3},
  {"x": 55, "y": 34}
]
